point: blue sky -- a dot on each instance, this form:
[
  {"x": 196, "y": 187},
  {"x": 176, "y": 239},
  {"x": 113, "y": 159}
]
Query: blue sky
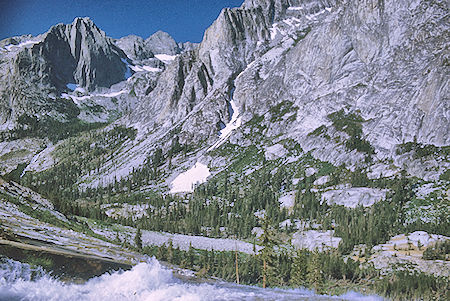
[{"x": 185, "y": 20}]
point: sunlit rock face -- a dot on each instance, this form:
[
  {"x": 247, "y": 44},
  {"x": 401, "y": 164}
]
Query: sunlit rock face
[
  {"x": 96, "y": 59},
  {"x": 162, "y": 43},
  {"x": 373, "y": 57},
  {"x": 35, "y": 71},
  {"x": 384, "y": 61},
  {"x": 134, "y": 47}
]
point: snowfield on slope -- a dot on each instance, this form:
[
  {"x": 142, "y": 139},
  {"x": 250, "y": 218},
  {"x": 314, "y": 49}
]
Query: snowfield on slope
[
  {"x": 165, "y": 58},
  {"x": 186, "y": 181},
  {"x": 235, "y": 122}
]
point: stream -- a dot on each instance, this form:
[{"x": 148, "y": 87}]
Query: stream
[{"x": 145, "y": 281}]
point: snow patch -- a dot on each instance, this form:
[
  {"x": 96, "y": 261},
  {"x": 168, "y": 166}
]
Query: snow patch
[
  {"x": 165, "y": 58},
  {"x": 79, "y": 99},
  {"x": 76, "y": 99},
  {"x": 314, "y": 16},
  {"x": 145, "y": 68},
  {"x": 18, "y": 46},
  {"x": 185, "y": 181},
  {"x": 235, "y": 122},
  {"x": 112, "y": 94}
]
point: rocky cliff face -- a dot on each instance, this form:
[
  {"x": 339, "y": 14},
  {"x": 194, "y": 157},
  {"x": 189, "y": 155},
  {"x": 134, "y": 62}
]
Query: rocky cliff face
[
  {"x": 379, "y": 66},
  {"x": 369, "y": 57},
  {"x": 36, "y": 70},
  {"x": 93, "y": 58},
  {"x": 383, "y": 61},
  {"x": 162, "y": 43},
  {"x": 377, "y": 58},
  {"x": 135, "y": 48}
]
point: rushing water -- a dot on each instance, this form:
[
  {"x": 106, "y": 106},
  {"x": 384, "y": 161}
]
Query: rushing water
[{"x": 146, "y": 281}]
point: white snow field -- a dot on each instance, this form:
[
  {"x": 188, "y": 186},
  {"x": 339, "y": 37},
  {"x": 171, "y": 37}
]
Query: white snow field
[
  {"x": 165, "y": 58},
  {"x": 143, "y": 68},
  {"x": 235, "y": 122},
  {"x": 186, "y": 181}
]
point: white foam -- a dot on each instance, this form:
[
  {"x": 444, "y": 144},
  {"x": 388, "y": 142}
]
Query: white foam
[{"x": 145, "y": 281}]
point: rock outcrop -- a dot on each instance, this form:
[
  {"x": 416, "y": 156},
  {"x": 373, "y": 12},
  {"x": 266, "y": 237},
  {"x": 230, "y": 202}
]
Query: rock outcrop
[
  {"x": 135, "y": 48},
  {"x": 162, "y": 43}
]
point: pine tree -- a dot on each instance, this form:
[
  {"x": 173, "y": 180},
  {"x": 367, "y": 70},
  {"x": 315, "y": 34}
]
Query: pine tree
[
  {"x": 170, "y": 252},
  {"x": 314, "y": 269},
  {"x": 190, "y": 256},
  {"x": 299, "y": 268},
  {"x": 138, "y": 239},
  {"x": 266, "y": 253}
]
